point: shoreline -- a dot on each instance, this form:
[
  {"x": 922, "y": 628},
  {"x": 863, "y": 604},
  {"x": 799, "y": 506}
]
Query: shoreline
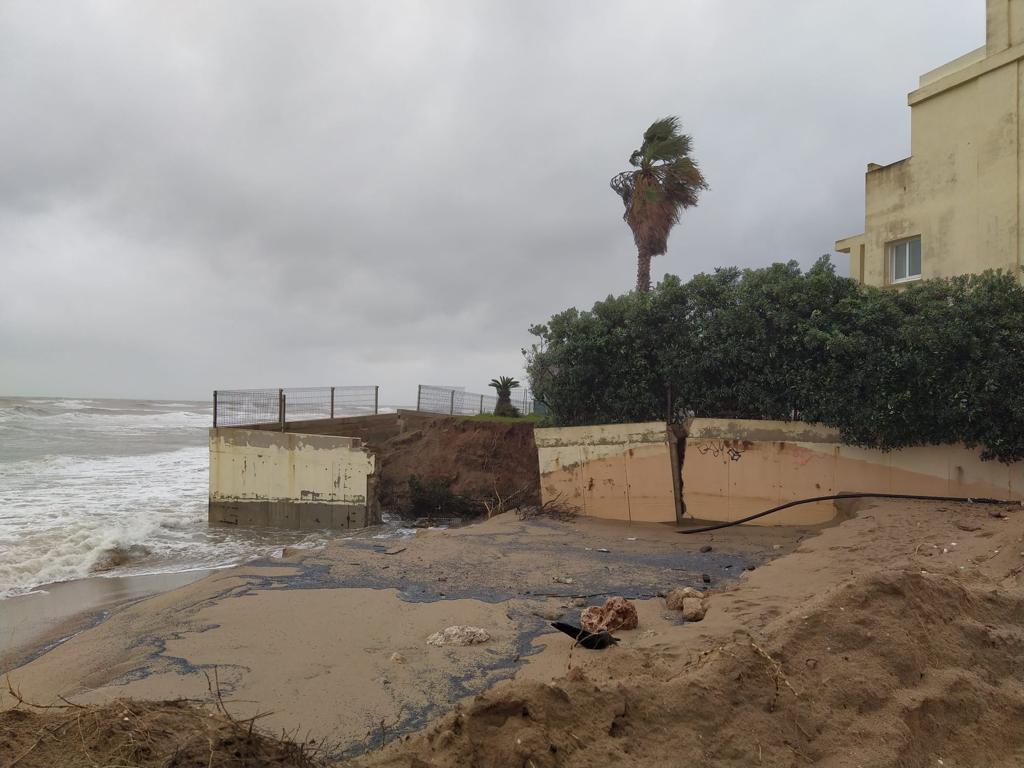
[
  {"x": 879, "y": 615},
  {"x": 278, "y": 635},
  {"x": 36, "y": 622}
]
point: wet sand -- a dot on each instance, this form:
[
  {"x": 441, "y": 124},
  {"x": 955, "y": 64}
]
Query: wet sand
[
  {"x": 893, "y": 638},
  {"x": 31, "y": 623},
  {"x": 333, "y": 641}
]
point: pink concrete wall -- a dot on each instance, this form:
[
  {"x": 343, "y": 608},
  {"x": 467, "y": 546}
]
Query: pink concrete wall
[
  {"x": 614, "y": 471},
  {"x": 736, "y": 468}
]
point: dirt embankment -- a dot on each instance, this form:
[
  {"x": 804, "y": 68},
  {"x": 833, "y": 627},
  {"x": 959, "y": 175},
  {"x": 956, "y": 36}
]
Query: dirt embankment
[
  {"x": 483, "y": 460},
  {"x": 455, "y": 459}
]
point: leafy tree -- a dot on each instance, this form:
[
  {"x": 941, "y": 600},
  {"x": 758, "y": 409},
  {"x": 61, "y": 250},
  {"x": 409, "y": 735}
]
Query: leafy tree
[
  {"x": 664, "y": 181},
  {"x": 504, "y": 386},
  {"x": 937, "y": 362}
]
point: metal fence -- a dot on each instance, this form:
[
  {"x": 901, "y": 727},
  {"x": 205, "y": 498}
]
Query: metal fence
[
  {"x": 243, "y": 407},
  {"x": 456, "y": 401}
]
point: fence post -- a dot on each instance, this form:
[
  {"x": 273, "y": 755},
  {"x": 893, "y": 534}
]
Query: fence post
[
  {"x": 376, "y": 399},
  {"x": 332, "y": 402},
  {"x": 215, "y": 409},
  {"x": 419, "y": 395},
  {"x": 280, "y": 407},
  {"x": 481, "y": 405},
  {"x": 451, "y": 406}
]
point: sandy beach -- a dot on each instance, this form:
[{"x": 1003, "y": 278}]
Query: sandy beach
[
  {"x": 333, "y": 642},
  {"x": 313, "y": 636},
  {"x": 31, "y": 623}
]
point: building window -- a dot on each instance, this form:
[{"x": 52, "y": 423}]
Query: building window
[{"x": 905, "y": 260}]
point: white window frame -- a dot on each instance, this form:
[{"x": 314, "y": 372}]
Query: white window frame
[{"x": 890, "y": 253}]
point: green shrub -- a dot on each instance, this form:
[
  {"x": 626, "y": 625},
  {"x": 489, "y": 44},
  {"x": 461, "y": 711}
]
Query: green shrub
[{"x": 936, "y": 362}]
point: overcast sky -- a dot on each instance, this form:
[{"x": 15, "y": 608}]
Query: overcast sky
[{"x": 200, "y": 195}]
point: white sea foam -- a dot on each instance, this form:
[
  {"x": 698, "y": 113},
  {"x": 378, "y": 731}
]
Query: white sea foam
[
  {"x": 70, "y": 404},
  {"x": 123, "y": 488}
]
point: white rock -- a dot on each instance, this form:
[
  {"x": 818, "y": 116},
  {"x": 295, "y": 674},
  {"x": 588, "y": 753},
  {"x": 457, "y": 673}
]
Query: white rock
[{"x": 459, "y": 635}]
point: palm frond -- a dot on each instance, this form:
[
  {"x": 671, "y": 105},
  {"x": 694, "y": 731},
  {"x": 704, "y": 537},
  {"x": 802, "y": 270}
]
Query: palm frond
[
  {"x": 669, "y": 150},
  {"x": 661, "y": 129},
  {"x": 665, "y": 181},
  {"x": 504, "y": 383}
]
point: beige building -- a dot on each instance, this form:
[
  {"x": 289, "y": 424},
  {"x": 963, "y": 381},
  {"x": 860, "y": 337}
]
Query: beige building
[{"x": 955, "y": 205}]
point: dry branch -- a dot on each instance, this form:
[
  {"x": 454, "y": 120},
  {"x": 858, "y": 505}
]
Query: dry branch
[{"x": 555, "y": 509}]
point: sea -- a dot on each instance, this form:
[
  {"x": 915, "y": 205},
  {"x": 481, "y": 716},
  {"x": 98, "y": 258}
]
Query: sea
[{"x": 112, "y": 488}]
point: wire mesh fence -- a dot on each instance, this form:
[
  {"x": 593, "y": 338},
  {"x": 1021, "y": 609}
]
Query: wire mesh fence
[
  {"x": 251, "y": 407},
  {"x": 244, "y": 407},
  {"x": 456, "y": 401},
  {"x": 235, "y": 407}
]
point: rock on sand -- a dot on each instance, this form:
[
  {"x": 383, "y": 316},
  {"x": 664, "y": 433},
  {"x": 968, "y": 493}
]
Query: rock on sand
[
  {"x": 616, "y": 613},
  {"x": 692, "y": 603},
  {"x": 459, "y": 635}
]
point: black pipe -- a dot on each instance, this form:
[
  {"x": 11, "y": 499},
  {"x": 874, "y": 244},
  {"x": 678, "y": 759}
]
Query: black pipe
[{"x": 787, "y": 505}]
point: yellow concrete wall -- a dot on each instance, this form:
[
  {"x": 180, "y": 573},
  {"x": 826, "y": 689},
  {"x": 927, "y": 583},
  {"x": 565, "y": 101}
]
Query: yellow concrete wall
[
  {"x": 1004, "y": 24},
  {"x": 288, "y": 474},
  {"x": 735, "y": 468},
  {"x": 961, "y": 188},
  {"x": 614, "y": 471}
]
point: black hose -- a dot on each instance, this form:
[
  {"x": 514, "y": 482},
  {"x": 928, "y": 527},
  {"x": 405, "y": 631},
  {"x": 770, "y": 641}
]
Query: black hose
[{"x": 787, "y": 505}]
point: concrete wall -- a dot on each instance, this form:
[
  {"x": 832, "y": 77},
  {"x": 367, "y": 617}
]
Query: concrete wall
[
  {"x": 1004, "y": 25},
  {"x": 961, "y": 189},
  {"x": 290, "y": 480},
  {"x": 616, "y": 471},
  {"x": 735, "y": 468}
]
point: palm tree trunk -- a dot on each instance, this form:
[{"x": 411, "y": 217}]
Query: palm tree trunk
[{"x": 643, "y": 271}]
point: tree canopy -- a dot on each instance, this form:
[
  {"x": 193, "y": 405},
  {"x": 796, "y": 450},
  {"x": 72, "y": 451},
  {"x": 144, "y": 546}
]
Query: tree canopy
[{"x": 937, "y": 362}]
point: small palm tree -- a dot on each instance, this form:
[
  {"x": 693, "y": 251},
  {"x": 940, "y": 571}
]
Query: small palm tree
[
  {"x": 664, "y": 181},
  {"x": 504, "y": 386}
]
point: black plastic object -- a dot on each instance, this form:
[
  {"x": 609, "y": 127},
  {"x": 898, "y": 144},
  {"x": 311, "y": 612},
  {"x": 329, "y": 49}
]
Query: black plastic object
[
  {"x": 967, "y": 499},
  {"x": 595, "y": 641}
]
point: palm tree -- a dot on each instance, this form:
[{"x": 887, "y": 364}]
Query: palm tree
[
  {"x": 664, "y": 181},
  {"x": 504, "y": 386}
]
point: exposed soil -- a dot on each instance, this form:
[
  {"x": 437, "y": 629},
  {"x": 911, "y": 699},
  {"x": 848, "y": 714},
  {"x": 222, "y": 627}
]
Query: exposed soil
[
  {"x": 476, "y": 459},
  {"x": 483, "y": 460}
]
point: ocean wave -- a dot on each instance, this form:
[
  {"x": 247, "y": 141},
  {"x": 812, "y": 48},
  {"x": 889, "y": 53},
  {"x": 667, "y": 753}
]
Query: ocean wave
[
  {"x": 97, "y": 416},
  {"x": 28, "y": 411},
  {"x": 91, "y": 493},
  {"x": 41, "y": 559},
  {"x": 70, "y": 403}
]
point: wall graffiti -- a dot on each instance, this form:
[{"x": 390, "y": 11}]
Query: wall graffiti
[{"x": 719, "y": 448}]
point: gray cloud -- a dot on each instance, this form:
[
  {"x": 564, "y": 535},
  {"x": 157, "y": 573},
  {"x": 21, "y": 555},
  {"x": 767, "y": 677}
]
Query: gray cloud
[{"x": 197, "y": 194}]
